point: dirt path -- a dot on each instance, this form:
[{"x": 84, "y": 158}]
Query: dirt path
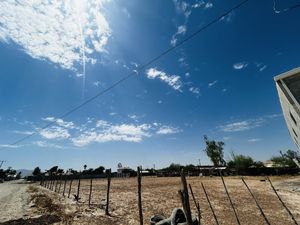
[{"x": 13, "y": 200}]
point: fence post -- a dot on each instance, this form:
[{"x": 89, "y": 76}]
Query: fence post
[
  {"x": 78, "y": 190},
  {"x": 211, "y": 208},
  {"x": 90, "y": 195},
  {"x": 231, "y": 203},
  {"x": 283, "y": 204},
  {"x": 52, "y": 183},
  {"x": 70, "y": 188},
  {"x": 139, "y": 178},
  {"x": 196, "y": 204},
  {"x": 55, "y": 184},
  {"x": 59, "y": 183},
  {"x": 256, "y": 202},
  {"x": 108, "y": 190},
  {"x": 65, "y": 186},
  {"x": 184, "y": 195}
]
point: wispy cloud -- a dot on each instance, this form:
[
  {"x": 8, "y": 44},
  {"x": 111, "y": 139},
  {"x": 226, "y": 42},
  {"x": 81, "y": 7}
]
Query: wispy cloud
[
  {"x": 66, "y": 33},
  {"x": 183, "y": 8},
  {"x": 202, "y": 4},
  {"x": 55, "y": 132},
  {"x": 208, "y": 5},
  {"x": 23, "y": 132},
  {"x": 240, "y": 65},
  {"x": 212, "y": 83},
  {"x": 241, "y": 125},
  {"x": 195, "y": 90},
  {"x": 10, "y": 146},
  {"x": 261, "y": 67},
  {"x": 228, "y": 18},
  {"x": 227, "y": 138},
  {"x": 44, "y": 144},
  {"x": 172, "y": 80},
  {"x": 59, "y": 122},
  {"x": 125, "y": 11},
  {"x": 168, "y": 130},
  {"x": 247, "y": 124},
  {"x": 254, "y": 139},
  {"x": 181, "y": 30}
]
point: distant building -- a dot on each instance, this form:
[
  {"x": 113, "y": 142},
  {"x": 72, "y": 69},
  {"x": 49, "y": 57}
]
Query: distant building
[
  {"x": 288, "y": 87},
  {"x": 269, "y": 163}
]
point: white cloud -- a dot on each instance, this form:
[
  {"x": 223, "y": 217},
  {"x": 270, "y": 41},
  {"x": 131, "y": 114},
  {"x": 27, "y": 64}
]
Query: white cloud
[
  {"x": 135, "y": 117},
  {"x": 212, "y": 83},
  {"x": 227, "y": 138},
  {"x": 55, "y": 132},
  {"x": 98, "y": 84},
  {"x": 23, "y": 132},
  {"x": 208, "y": 5},
  {"x": 228, "y": 18},
  {"x": 67, "y": 33},
  {"x": 125, "y": 11},
  {"x": 183, "y": 8},
  {"x": 240, "y": 65},
  {"x": 187, "y": 74},
  {"x": 248, "y": 124},
  {"x": 194, "y": 90},
  {"x": 44, "y": 144},
  {"x": 168, "y": 130},
  {"x": 110, "y": 132},
  {"x": 198, "y": 4},
  {"x": 262, "y": 68},
  {"x": 254, "y": 140},
  {"x": 172, "y": 80},
  {"x": 10, "y": 146},
  {"x": 242, "y": 125},
  {"x": 60, "y": 122},
  {"x": 181, "y": 30}
]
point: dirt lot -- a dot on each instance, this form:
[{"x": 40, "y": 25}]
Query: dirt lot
[{"x": 160, "y": 197}]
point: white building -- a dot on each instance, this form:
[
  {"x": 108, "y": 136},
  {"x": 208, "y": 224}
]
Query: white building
[{"x": 288, "y": 87}]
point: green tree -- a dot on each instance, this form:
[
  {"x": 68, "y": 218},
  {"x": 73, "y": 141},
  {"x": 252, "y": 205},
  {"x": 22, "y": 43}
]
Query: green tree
[
  {"x": 99, "y": 170},
  {"x": 286, "y": 159},
  {"x": 36, "y": 171},
  {"x": 214, "y": 150},
  {"x": 240, "y": 161},
  {"x": 53, "y": 170}
]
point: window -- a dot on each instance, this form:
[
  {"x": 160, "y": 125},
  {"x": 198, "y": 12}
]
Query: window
[
  {"x": 293, "y": 118},
  {"x": 296, "y": 140},
  {"x": 295, "y": 132}
]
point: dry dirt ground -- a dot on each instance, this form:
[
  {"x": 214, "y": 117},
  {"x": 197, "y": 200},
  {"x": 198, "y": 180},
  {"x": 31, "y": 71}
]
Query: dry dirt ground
[{"x": 160, "y": 197}]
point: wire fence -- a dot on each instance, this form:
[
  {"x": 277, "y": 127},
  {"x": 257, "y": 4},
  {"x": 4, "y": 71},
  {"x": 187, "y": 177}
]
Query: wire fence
[{"x": 95, "y": 192}]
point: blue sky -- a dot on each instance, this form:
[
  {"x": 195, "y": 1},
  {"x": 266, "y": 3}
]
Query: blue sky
[{"x": 220, "y": 83}]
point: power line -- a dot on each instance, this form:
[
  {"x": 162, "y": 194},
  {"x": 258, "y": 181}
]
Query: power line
[{"x": 140, "y": 68}]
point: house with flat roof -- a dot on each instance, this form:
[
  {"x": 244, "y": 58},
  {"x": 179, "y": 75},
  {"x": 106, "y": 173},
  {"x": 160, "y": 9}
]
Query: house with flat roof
[{"x": 288, "y": 87}]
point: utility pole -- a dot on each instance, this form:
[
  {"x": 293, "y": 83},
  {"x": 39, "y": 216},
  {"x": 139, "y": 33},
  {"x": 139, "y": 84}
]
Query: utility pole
[{"x": 1, "y": 162}]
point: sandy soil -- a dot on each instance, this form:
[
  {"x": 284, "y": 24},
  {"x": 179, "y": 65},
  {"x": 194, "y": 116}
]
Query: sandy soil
[
  {"x": 13, "y": 200},
  {"x": 160, "y": 197}
]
